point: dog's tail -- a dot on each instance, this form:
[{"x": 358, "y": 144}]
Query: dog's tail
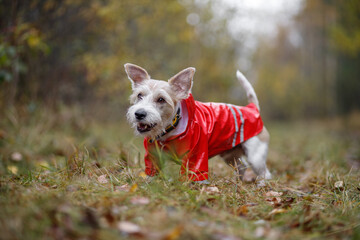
[{"x": 250, "y": 92}]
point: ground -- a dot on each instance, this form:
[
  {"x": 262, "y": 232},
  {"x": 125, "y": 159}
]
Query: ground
[{"x": 67, "y": 177}]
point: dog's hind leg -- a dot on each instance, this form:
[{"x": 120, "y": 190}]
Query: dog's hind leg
[
  {"x": 233, "y": 158},
  {"x": 256, "y": 149}
]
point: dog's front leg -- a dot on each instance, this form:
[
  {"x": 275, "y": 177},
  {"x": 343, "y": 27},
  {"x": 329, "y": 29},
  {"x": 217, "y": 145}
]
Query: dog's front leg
[{"x": 196, "y": 168}]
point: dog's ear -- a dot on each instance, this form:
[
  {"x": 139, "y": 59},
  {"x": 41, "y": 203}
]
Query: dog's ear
[
  {"x": 136, "y": 74},
  {"x": 181, "y": 83}
]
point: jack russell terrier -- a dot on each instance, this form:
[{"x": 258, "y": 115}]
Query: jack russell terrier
[{"x": 174, "y": 125}]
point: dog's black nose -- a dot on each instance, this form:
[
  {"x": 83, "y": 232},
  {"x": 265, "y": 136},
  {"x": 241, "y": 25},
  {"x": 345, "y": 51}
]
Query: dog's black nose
[{"x": 140, "y": 114}]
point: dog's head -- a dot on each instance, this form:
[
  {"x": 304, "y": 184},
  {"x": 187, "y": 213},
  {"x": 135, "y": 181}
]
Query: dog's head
[{"x": 154, "y": 102}]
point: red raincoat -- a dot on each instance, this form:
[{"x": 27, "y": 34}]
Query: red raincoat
[{"x": 212, "y": 128}]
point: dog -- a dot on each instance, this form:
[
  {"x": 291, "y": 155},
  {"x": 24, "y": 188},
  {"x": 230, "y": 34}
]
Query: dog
[{"x": 173, "y": 123}]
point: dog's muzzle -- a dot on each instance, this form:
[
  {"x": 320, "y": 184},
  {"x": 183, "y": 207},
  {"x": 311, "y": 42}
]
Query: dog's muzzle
[{"x": 142, "y": 127}]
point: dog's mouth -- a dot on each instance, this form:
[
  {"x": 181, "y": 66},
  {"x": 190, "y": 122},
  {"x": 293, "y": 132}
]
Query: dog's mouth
[{"x": 143, "y": 127}]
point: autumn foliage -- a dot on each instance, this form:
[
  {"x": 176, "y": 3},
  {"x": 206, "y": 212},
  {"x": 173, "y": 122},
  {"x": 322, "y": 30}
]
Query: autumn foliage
[{"x": 73, "y": 52}]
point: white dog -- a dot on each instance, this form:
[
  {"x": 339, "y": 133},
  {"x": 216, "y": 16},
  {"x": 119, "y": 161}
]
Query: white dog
[{"x": 176, "y": 125}]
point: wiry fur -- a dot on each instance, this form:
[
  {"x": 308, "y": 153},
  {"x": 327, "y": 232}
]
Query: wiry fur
[
  {"x": 172, "y": 91},
  {"x": 250, "y": 92},
  {"x": 160, "y": 114}
]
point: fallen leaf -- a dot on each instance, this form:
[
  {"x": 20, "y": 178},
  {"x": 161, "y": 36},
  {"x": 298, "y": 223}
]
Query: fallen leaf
[
  {"x": 277, "y": 211},
  {"x": 13, "y": 169},
  {"x": 43, "y": 164},
  {"x": 275, "y": 201},
  {"x": 242, "y": 211},
  {"x": 274, "y": 198},
  {"x": 210, "y": 190},
  {"x": 143, "y": 175},
  {"x": 273, "y": 194},
  {"x": 102, "y": 179},
  {"x": 175, "y": 233},
  {"x": 128, "y": 227},
  {"x": 16, "y": 157},
  {"x": 339, "y": 185},
  {"x": 133, "y": 187},
  {"x": 140, "y": 200}
]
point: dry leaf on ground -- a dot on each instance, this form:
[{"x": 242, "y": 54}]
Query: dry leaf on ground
[
  {"x": 277, "y": 211},
  {"x": 274, "y": 198},
  {"x": 339, "y": 185},
  {"x": 102, "y": 179},
  {"x": 13, "y": 169},
  {"x": 242, "y": 211},
  {"x": 16, "y": 157},
  {"x": 174, "y": 234},
  {"x": 273, "y": 194},
  {"x": 210, "y": 190},
  {"x": 134, "y": 187},
  {"x": 128, "y": 227},
  {"x": 142, "y": 175}
]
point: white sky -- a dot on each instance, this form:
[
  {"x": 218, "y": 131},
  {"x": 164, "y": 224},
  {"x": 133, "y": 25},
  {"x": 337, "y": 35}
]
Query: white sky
[
  {"x": 252, "y": 16},
  {"x": 252, "y": 20},
  {"x": 259, "y": 16},
  {"x": 256, "y": 19}
]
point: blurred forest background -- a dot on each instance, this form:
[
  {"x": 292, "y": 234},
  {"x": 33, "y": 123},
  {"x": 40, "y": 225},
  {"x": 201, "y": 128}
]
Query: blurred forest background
[{"x": 55, "y": 53}]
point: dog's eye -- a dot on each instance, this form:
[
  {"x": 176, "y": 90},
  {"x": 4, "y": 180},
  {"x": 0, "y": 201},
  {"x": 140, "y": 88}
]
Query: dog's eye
[
  {"x": 140, "y": 96},
  {"x": 161, "y": 100}
]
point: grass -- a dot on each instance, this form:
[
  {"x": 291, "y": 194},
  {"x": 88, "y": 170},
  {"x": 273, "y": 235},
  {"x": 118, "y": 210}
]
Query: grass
[{"x": 64, "y": 176}]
